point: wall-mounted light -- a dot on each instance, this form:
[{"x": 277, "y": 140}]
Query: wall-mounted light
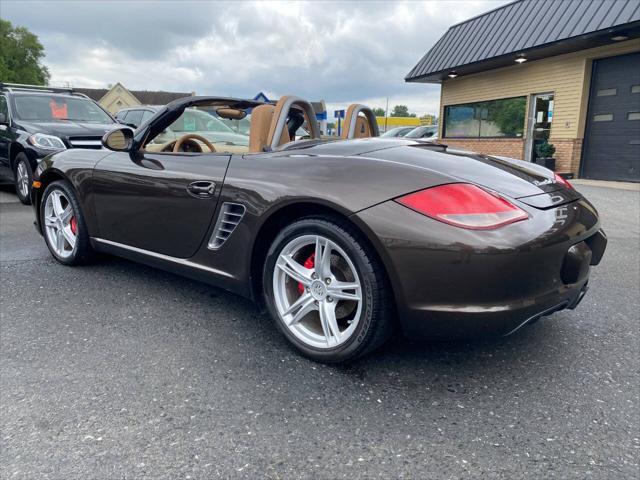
[
  {"x": 452, "y": 75},
  {"x": 619, "y": 38},
  {"x": 521, "y": 58}
]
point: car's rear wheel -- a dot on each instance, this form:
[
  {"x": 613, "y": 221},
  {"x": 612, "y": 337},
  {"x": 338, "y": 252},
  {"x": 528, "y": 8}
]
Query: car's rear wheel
[
  {"x": 63, "y": 225},
  {"x": 23, "y": 178},
  {"x": 327, "y": 291}
]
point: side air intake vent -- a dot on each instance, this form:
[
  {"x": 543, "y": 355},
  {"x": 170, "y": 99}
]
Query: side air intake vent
[{"x": 228, "y": 220}]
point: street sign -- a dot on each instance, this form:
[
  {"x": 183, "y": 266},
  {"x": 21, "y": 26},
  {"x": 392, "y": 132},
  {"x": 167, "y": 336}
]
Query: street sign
[{"x": 338, "y": 113}]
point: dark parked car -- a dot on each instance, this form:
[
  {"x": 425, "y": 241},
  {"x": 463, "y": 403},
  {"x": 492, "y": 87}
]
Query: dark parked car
[
  {"x": 341, "y": 240},
  {"x": 425, "y": 132},
  {"x": 38, "y": 121},
  {"x": 397, "y": 132}
]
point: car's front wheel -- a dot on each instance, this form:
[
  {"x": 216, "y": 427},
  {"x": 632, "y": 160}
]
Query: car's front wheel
[
  {"x": 63, "y": 224},
  {"x": 23, "y": 178},
  {"x": 327, "y": 291}
]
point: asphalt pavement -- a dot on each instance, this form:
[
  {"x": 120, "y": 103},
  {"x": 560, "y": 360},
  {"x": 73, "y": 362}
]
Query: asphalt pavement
[{"x": 120, "y": 371}]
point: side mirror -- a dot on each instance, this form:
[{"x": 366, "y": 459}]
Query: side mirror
[
  {"x": 119, "y": 140},
  {"x": 3, "y": 119}
]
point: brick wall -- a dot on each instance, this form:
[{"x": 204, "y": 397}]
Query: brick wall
[
  {"x": 567, "y": 155},
  {"x": 505, "y": 147}
]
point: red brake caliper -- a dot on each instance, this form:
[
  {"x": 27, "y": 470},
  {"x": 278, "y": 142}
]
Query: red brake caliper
[
  {"x": 308, "y": 263},
  {"x": 74, "y": 225}
]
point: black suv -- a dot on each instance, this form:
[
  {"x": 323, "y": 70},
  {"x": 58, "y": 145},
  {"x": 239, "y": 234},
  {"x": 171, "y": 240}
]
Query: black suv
[{"x": 38, "y": 121}]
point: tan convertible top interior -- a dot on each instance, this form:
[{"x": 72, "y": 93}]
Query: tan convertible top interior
[{"x": 266, "y": 122}]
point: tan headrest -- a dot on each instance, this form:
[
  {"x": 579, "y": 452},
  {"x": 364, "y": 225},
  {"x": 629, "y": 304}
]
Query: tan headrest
[
  {"x": 261, "y": 119},
  {"x": 362, "y": 128}
]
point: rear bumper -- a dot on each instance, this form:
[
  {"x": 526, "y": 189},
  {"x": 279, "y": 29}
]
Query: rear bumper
[
  {"x": 451, "y": 283},
  {"x": 475, "y": 321}
]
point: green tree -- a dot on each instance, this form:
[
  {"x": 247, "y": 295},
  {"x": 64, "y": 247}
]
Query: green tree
[
  {"x": 379, "y": 112},
  {"x": 20, "y": 55},
  {"x": 508, "y": 115},
  {"x": 401, "y": 111}
]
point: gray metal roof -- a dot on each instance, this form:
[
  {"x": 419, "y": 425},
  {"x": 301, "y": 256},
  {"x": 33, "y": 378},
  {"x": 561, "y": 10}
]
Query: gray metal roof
[
  {"x": 519, "y": 27},
  {"x": 145, "y": 97}
]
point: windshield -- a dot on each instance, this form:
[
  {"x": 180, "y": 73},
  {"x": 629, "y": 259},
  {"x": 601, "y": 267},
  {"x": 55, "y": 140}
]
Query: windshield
[
  {"x": 58, "y": 108},
  {"x": 236, "y": 126},
  {"x": 193, "y": 120},
  {"x": 421, "y": 132},
  {"x": 204, "y": 124}
]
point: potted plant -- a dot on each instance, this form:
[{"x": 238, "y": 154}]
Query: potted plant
[{"x": 545, "y": 155}]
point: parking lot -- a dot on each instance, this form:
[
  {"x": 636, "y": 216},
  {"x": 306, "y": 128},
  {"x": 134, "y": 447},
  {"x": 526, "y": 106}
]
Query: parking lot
[{"x": 121, "y": 371}]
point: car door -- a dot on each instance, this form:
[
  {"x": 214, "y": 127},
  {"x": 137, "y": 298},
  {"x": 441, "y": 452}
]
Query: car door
[{"x": 159, "y": 202}]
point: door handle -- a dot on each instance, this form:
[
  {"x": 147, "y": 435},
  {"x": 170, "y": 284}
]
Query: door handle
[{"x": 201, "y": 189}]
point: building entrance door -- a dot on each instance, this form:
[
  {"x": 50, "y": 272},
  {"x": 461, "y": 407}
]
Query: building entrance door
[{"x": 539, "y": 124}]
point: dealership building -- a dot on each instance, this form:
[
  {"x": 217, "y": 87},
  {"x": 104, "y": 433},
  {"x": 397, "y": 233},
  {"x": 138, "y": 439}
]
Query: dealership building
[{"x": 534, "y": 72}]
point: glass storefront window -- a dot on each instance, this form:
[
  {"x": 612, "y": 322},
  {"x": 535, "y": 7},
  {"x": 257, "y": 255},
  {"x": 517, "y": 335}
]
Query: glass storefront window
[{"x": 490, "y": 119}]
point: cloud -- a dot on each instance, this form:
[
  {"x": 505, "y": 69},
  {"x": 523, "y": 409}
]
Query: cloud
[{"x": 341, "y": 52}]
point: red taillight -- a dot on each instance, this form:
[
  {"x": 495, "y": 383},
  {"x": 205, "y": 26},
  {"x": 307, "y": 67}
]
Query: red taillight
[
  {"x": 563, "y": 181},
  {"x": 464, "y": 205}
]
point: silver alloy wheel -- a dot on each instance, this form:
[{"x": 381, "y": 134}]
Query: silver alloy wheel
[
  {"x": 22, "y": 177},
  {"x": 321, "y": 305},
  {"x": 59, "y": 224}
]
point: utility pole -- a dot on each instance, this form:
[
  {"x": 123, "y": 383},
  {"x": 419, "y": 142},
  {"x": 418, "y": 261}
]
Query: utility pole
[{"x": 386, "y": 115}]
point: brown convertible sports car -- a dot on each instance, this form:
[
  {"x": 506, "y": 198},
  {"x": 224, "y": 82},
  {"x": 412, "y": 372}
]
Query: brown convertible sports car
[{"x": 342, "y": 240}]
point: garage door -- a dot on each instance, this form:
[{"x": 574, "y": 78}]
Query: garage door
[{"x": 612, "y": 136}]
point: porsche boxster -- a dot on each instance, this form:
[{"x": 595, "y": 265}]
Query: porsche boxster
[{"x": 342, "y": 241}]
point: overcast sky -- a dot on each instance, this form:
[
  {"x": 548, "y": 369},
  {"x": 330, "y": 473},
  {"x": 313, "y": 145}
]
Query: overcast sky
[{"x": 342, "y": 52}]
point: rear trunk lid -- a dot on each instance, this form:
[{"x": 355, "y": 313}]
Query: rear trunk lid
[{"x": 529, "y": 183}]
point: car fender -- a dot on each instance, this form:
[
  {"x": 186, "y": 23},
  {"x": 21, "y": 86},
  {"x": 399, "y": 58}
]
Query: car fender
[{"x": 76, "y": 167}]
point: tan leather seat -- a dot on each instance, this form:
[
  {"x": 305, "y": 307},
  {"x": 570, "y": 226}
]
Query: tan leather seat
[
  {"x": 284, "y": 137},
  {"x": 362, "y": 128},
  {"x": 261, "y": 118},
  {"x": 262, "y": 122}
]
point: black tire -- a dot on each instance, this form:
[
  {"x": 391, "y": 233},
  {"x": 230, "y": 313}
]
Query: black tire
[
  {"x": 377, "y": 322},
  {"x": 82, "y": 251},
  {"x": 22, "y": 159}
]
